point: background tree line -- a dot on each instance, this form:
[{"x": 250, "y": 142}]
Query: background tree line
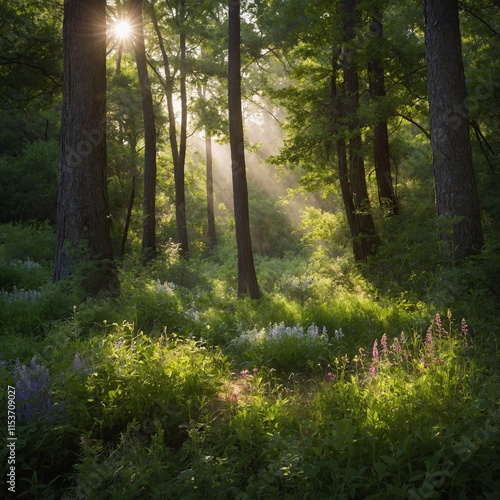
[{"x": 351, "y": 77}]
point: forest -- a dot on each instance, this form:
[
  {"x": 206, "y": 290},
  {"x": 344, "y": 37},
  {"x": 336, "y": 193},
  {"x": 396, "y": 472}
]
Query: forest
[{"x": 249, "y": 249}]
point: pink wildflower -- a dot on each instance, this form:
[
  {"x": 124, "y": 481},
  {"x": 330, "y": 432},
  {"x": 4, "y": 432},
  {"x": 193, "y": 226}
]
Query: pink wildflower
[
  {"x": 373, "y": 370},
  {"x": 439, "y": 326},
  {"x": 383, "y": 342},
  {"x": 464, "y": 331},
  {"x": 330, "y": 377}
]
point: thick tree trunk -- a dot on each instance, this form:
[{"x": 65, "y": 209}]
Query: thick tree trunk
[
  {"x": 386, "y": 194},
  {"x": 455, "y": 183},
  {"x": 82, "y": 213},
  {"x": 364, "y": 238},
  {"x": 247, "y": 278},
  {"x": 212, "y": 235},
  {"x": 149, "y": 198}
]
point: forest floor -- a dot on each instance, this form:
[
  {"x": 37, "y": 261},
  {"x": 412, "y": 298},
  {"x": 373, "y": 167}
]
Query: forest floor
[{"x": 330, "y": 386}]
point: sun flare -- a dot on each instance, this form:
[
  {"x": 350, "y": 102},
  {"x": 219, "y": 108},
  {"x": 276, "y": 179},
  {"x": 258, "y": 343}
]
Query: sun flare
[{"x": 122, "y": 29}]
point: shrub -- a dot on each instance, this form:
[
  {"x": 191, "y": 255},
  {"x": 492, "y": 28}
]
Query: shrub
[{"x": 285, "y": 348}]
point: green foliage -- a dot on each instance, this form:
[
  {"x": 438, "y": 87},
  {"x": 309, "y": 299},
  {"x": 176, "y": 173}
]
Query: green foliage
[
  {"x": 177, "y": 389},
  {"x": 257, "y": 408},
  {"x": 29, "y": 184},
  {"x": 27, "y": 242},
  {"x": 285, "y": 348}
]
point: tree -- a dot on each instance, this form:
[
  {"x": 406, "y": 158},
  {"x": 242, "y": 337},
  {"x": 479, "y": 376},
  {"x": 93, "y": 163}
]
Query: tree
[
  {"x": 149, "y": 222},
  {"x": 457, "y": 198},
  {"x": 363, "y": 228},
  {"x": 82, "y": 210},
  {"x": 178, "y": 147},
  {"x": 381, "y": 154},
  {"x": 247, "y": 278}
]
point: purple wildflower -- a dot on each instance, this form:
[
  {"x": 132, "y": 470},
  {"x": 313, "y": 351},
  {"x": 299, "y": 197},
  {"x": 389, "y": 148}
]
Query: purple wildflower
[
  {"x": 234, "y": 398},
  {"x": 244, "y": 374},
  {"x": 330, "y": 377},
  {"x": 32, "y": 391},
  {"x": 80, "y": 365},
  {"x": 428, "y": 336}
]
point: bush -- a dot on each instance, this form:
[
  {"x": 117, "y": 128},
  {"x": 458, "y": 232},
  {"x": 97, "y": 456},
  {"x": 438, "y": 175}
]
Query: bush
[{"x": 29, "y": 184}]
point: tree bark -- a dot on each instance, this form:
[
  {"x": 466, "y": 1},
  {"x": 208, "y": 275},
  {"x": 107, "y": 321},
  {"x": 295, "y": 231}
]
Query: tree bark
[
  {"x": 82, "y": 212},
  {"x": 386, "y": 194},
  {"x": 247, "y": 278},
  {"x": 179, "y": 173},
  {"x": 212, "y": 234},
  {"x": 457, "y": 200},
  {"x": 364, "y": 228},
  {"x": 178, "y": 148},
  {"x": 128, "y": 218},
  {"x": 341, "y": 149},
  {"x": 149, "y": 197}
]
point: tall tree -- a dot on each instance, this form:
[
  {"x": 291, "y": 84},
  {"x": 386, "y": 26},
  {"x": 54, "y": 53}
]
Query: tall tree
[
  {"x": 381, "y": 154},
  {"x": 364, "y": 228},
  {"x": 247, "y": 278},
  {"x": 149, "y": 198},
  {"x": 82, "y": 210},
  {"x": 455, "y": 183},
  {"x": 177, "y": 145}
]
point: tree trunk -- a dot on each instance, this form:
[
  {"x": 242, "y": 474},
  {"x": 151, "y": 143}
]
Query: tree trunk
[
  {"x": 149, "y": 198},
  {"x": 178, "y": 148},
  {"x": 128, "y": 218},
  {"x": 387, "y": 197},
  {"x": 179, "y": 173},
  {"x": 336, "y": 112},
  {"x": 457, "y": 199},
  {"x": 212, "y": 235},
  {"x": 247, "y": 278},
  {"x": 82, "y": 212},
  {"x": 364, "y": 238}
]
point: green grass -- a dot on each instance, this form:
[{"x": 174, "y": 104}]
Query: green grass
[{"x": 177, "y": 389}]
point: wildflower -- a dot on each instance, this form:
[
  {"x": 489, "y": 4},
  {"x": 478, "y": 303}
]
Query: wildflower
[
  {"x": 439, "y": 326},
  {"x": 373, "y": 370},
  {"x": 167, "y": 287},
  {"x": 234, "y": 397},
  {"x": 244, "y": 374},
  {"x": 80, "y": 365},
  {"x": 375, "y": 350},
  {"x": 32, "y": 391},
  {"x": 383, "y": 342},
  {"x": 339, "y": 334},
  {"x": 313, "y": 331},
  {"x": 396, "y": 346},
  {"x": 428, "y": 336},
  {"x": 464, "y": 331},
  {"x": 330, "y": 377}
]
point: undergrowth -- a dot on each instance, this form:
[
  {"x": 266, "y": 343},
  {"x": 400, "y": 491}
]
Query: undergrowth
[{"x": 324, "y": 388}]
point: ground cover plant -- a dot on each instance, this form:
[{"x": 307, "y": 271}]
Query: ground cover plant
[
  {"x": 175, "y": 392},
  {"x": 249, "y": 250}
]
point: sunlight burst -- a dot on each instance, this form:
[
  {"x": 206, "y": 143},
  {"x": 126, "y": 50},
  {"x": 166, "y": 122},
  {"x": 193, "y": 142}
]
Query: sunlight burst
[{"x": 122, "y": 29}]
